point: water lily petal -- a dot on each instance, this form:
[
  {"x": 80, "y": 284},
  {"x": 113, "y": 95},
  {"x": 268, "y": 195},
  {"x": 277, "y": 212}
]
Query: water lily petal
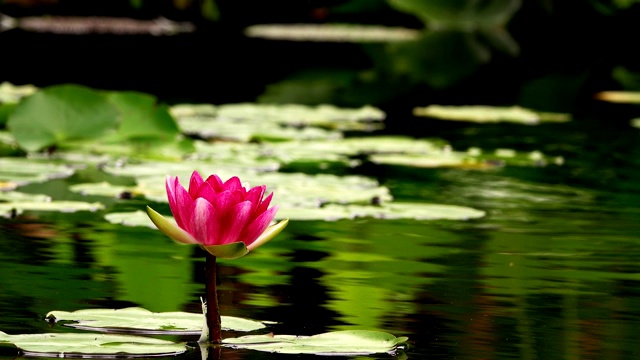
[
  {"x": 264, "y": 204},
  {"x": 233, "y": 184},
  {"x": 172, "y": 184},
  {"x": 202, "y": 224},
  {"x": 227, "y": 251},
  {"x": 226, "y": 200},
  {"x": 170, "y": 229},
  {"x": 255, "y": 196},
  {"x": 216, "y": 183},
  {"x": 253, "y": 230},
  {"x": 206, "y": 191},
  {"x": 194, "y": 184},
  {"x": 234, "y": 222},
  {"x": 268, "y": 234},
  {"x": 183, "y": 205}
]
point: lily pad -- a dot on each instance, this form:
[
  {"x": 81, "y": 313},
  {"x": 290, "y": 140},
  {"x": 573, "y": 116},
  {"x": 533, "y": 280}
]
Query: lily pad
[
  {"x": 332, "y": 32},
  {"x": 101, "y": 189},
  {"x": 142, "y": 321},
  {"x": 133, "y": 218},
  {"x": 10, "y": 93},
  {"x": 21, "y": 171},
  {"x": 347, "y": 343},
  {"x": 625, "y": 97},
  {"x": 489, "y": 114},
  {"x": 390, "y": 210},
  {"x": 91, "y": 345},
  {"x": 9, "y": 209},
  {"x": 55, "y": 115}
]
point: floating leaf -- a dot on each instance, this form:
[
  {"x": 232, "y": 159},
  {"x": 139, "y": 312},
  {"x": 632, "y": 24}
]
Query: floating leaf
[
  {"x": 140, "y": 117},
  {"x": 10, "y": 93},
  {"x": 101, "y": 189},
  {"x": 21, "y": 171},
  {"x": 390, "y": 210},
  {"x": 489, "y": 114},
  {"x": 10, "y": 209},
  {"x": 260, "y": 115},
  {"x": 60, "y": 113},
  {"x": 92, "y": 345},
  {"x": 332, "y": 32},
  {"x": 135, "y": 218},
  {"x": 628, "y": 97},
  {"x": 140, "y": 320},
  {"x": 347, "y": 343},
  {"x": 635, "y": 123}
]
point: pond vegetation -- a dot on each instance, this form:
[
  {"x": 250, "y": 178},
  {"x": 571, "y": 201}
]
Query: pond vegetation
[{"x": 438, "y": 185}]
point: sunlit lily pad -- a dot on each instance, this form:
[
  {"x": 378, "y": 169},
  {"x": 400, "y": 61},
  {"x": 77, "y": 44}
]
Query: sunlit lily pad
[
  {"x": 140, "y": 321},
  {"x": 9, "y": 209},
  {"x": 101, "y": 189},
  {"x": 133, "y": 218},
  {"x": 489, "y": 114},
  {"x": 628, "y": 97},
  {"x": 347, "y": 343},
  {"x": 10, "y": 93},
  {"x": 91, "y": 345},
  {"x": 250, "y": 130},
  {"x": 332, "y": 32},
  {"x": 21, "y": 171},
  {"x": 390, "y": 210}
]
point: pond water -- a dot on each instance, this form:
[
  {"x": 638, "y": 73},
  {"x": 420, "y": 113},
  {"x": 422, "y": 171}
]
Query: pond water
[{"x": 551, "y": 272}]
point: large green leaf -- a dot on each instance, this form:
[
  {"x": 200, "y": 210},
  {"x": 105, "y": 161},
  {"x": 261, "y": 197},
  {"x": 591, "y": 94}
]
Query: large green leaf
[
  {"x": 140, "y": 320},
  {"x": 60, "y": 113},
  {"x": 93, "y": 345},
  {"x": 348, "y": 343},
  {"x": 142, "y": 118}
]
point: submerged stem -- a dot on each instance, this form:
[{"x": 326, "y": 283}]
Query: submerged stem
[{"x": 213, "y": 313}]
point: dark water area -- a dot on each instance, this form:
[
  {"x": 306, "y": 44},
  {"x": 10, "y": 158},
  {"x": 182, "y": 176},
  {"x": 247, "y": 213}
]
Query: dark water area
[{"x": 551, "y": 272}]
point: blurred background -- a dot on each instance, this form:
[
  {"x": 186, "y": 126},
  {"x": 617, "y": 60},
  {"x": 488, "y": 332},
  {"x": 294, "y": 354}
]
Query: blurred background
[{"x": 550, "y": 55}]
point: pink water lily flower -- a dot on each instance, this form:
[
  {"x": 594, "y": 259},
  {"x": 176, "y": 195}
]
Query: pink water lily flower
[{"x": 224, "y": 218}]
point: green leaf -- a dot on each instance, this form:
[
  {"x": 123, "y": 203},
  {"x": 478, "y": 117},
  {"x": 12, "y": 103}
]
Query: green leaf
[
  {"x": 10, "y": 209},
  {"x": 489, "y": 114},
  {"x": 16, "y": 172},
  {"x": 142, "y": 118},
  {"x": 60, "y": 113},
  {"x": 133, "y": 218},
  {"x": 74, "y": 345},
  {"x": 11, "y": 94},
  {"x": 143, "y": 321},
  {"x": 391, "y": 210},
  {"x": 348, "y": 343}
]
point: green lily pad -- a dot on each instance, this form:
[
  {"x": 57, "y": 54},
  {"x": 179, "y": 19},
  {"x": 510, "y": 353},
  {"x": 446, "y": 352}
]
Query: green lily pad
[
  {"x": 10, "y": 93},
  {"x": 16, "y": 172},
  {"x": 91, "y": 345},
  {"x": 55, "y": 115},
  {"x": 143, "y": 321},
  {"x": 101, "y": 189},
  {"x": 9, "y": 209},
  {"x": 133, "y": 218},
  {"x": 390, "y": 210},
  {"x": 332, "y": 32},
  {"x": 489, "y": 114},
  {"x": 347, "y": 343},
  {"x": 265, "y": 116}
]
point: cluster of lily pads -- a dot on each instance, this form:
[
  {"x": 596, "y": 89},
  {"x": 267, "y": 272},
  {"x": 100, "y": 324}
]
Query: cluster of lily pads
[
  {"x": 125, "y": 332},
  {"x": 134, "y": 142},
  {"x": 129, "y": 135}
]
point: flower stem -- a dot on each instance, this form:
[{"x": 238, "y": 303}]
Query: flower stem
[{"x": 213, "y": 313}]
